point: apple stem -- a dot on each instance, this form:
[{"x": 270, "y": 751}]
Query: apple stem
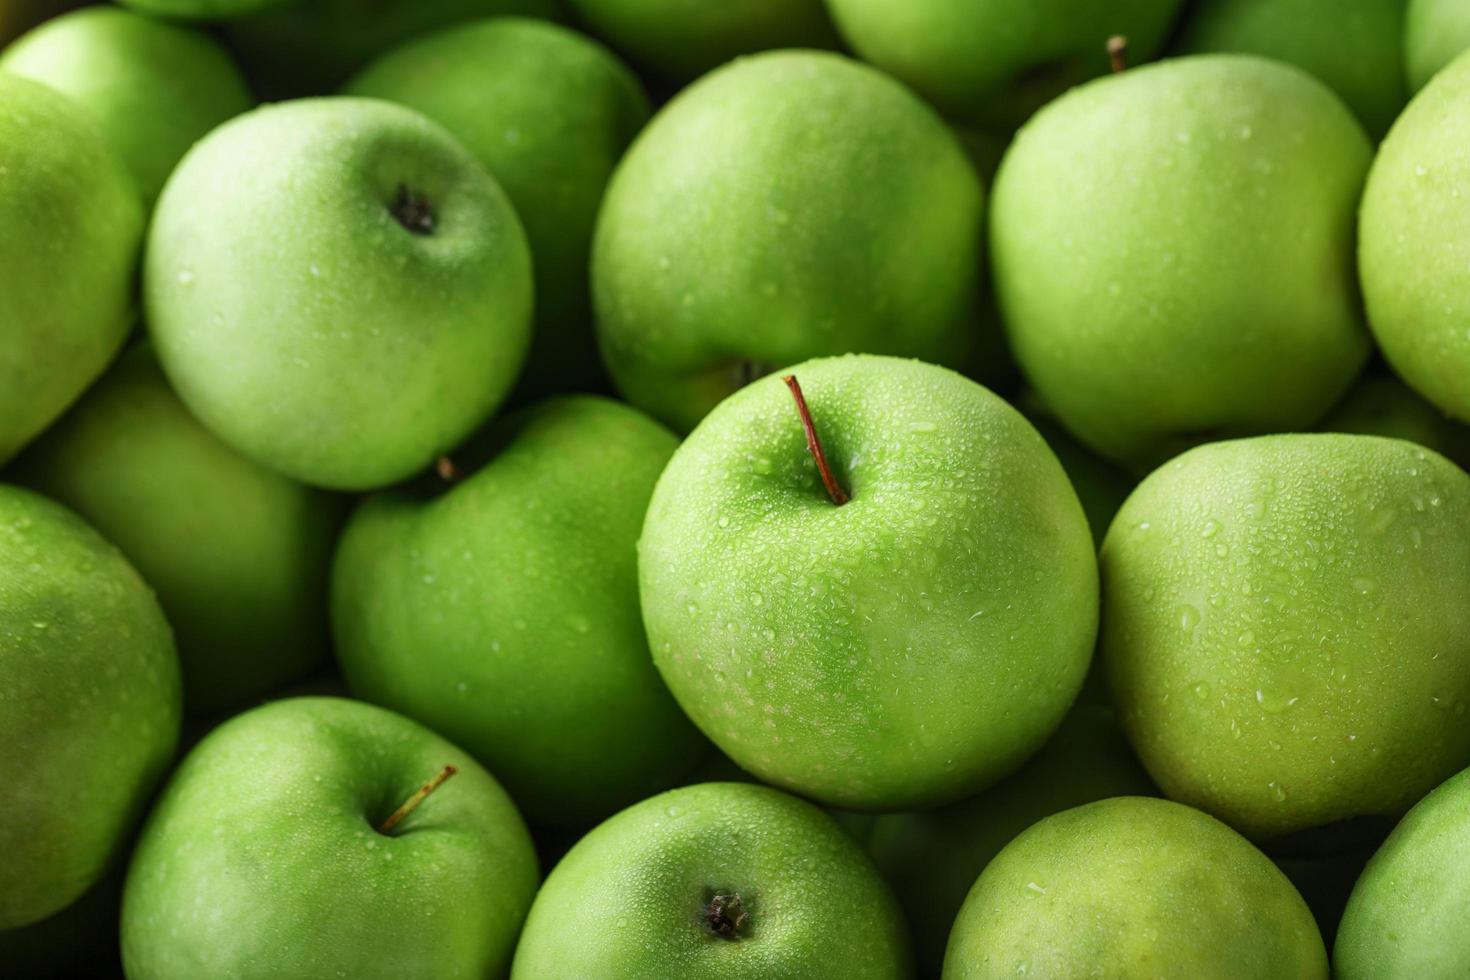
[
  {"x": 813, "y": 444},
  {"x": 419, "y": 795},
  {"x": 1118, "y": 53},
  {"x": 448, "y": 472}
]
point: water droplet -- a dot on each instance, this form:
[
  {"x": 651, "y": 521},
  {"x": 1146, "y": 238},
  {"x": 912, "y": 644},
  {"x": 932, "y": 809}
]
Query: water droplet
[
  {"x": 1201, "y": 690},
  {"x": 1188, "y": 617},
  {"x": 1278, "y": 793},
  {"x": 186, "y": 276},
  {"x": 723, "y": 521},
  {"x": 1211, "y": 528}
]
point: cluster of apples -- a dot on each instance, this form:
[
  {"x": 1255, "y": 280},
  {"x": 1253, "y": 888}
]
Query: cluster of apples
[{"x": 338, "y": 599}]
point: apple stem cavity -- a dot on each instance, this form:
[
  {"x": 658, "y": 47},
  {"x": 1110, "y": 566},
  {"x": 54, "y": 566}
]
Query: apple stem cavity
[
  {"x": 1118, "y": 53},
  {"x": 726, "y": 915},
  {"x": 813, "y": 444},
  {"x": 419, "y": 795},
  {"x": 413, "y": 211},
  {"x": 447, "y": 471}
]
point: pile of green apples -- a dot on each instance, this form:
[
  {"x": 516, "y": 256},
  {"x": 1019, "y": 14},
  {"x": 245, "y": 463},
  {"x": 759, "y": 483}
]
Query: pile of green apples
[{"x": 735, "y": 490}]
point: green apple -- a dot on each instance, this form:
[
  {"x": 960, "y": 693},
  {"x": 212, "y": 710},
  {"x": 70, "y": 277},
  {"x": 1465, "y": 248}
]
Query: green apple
[
  {"x": 1437, "y": 31},
  {"x": 338, "y": 289},
  {"x": 1188, "y": 226},
  {"x": 503, "y": 612},
  {"x": 310, "y": 47},
  {"x": 73, "y": 224},
  {"x": 1355, "y": 46},
  {"x": 995, "y": 62},
  {"x": 788, "y": 206},
  {"x": 238, "y": 553},
  {"x": 679, "y": 40},
  {"x": 549, "y": 113},
  {"x": 1285, "y": 627},
  {"x": 722, "y": 881},
  {"x": 151, "y": 87},
  {"x": 907, "y": 648},
  {"x": 1415, "y": 285},
  {"x": 932, "y": 857},
  {"x": 204, "y": 9},
  {"x": 280, "y": 848},
  {"x": 1134, "y": 887},
  {"x": 90, "y": 686},
  {"x": 1406, "y": 917},
  {"x": 1387, "y": 407}
]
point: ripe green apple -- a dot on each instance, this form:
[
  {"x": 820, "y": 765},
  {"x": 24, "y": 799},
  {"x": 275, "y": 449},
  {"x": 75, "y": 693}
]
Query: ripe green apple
[
  {"x": 503, "y": 612},
  {"x": 1188, "y": 227},
  {"x": 790, "y": 205},
  {"x": 237, "y": 553},
  {"x": 679, "y": 40},
  {"x": 338, "y": 289},
  {"x": 1285, "y": 627},
  {"x": 73, "y": 224},
  {"x": 1385, "y": 406},
  {"x": 905, "y": 649},
  {"x": 90, "y": 686},
  {"x": 1406, "y": 917},
  {"x": 1355, "y": 46},
  {"x": 1436, "y": 33},
  {"x": 267, "y": 854},
  {"x": 1412, "y": 231},
  {"x": 203, "y": 9},
  {"x": 549, "y": 113},
  {"x": 1134, "y": 887},
  {"x": 932, "y": 857},
  {"x": 722, "y": 881},
  {"x": 152, "y": 88},
  {"x": 995, "y": 62}
]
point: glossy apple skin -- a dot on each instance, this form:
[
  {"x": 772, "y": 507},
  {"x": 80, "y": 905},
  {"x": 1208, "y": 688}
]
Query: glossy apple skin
[
  {"x": 906, "y": 649},
  {"x": 817, "y": 907},
  {"x": 503, "y": 612},
  {"x": 73, "y": 227},
  {"x": 790, "y": 205},
  {"x": 237, "y": 553},
  {"x": 1190, "y": 225},
  {"x": 309, "y": 328},
  {"x": 1145, "y": 887},
  {"x": 1285, "y": 627},
  {"x": 90, "y": 684},
  {"x": 1412, "y": 227},
  {"x": 262, "y": 858},
  {"x": 549, "y": 113},
  {"x": 153, "y": 88},
  {"x": 1436, "y": 33},
  {"x": 1405, "y": 918}
]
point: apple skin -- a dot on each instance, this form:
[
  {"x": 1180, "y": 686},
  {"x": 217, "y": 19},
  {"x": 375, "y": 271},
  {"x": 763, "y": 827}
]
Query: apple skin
[
  {"x": 1190, "y": 225},
  {"x": 152, "y": 88},
  {"x": 262, "y": 858},
  {"x": 790, "y": 205},
  {"x": 1285, "y": 627},
  {"x": 90, "y": 684},
  {"x": 1436, "y": 33},
  {"x": 73, "y": 228},
  {"x": 904, "y": 650},
  {"x": 679, "y": 41},
  {"x": 1387, "y": 407},
  {"x": 287, "y": 302},
  {"x": 1133, "y": 887},
  {"x": 1412, "y": 227},
  {"x": 1406, "y": 916},
  {"x": 1361, "y": 57},
  {"x": 238, "y": 554},
  {"x": 549, "y": 113},
  {"x": 993, "y": 63},
  {"x": 503, "y": 612},
  {"x": 932, "y": 857},
  {"x": 202, "y": 9},
  {"x": 817, "y": 908}
]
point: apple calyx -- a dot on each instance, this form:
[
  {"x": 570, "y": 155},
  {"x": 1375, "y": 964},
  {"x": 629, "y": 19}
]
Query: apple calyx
[
  {"x": 726, "y": 916},
  {"x": 413, "y": 211},
  {"x": 419, "y": 795},
  {"x": 1118, "y": 53},
  {"x": 813, "y": 444}
]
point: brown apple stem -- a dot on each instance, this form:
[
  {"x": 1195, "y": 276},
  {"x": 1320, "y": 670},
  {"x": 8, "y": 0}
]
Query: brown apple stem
[
  {"x": 1118, "y": 53},
  {"x": 813, "y": 444},
  {"x": 419, "y": 795},
  {"x": 726, "y": 916},
  {"x": 448, "y": 472}
]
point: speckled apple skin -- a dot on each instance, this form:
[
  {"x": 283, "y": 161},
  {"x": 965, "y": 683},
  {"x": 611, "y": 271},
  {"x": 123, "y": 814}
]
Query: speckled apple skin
[
  {"x": 1285, "y": 627},
  {"x": 261, "y": 859},
  {"x": 1134, "y": 887},
  {"x": 907, "y": 648},
  {"x": 89, "y": 704},
  {"x": 818, "y": 908}
]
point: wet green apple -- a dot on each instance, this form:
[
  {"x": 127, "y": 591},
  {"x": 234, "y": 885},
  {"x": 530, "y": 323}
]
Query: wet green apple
[{"x": 1436, "y": 33}]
